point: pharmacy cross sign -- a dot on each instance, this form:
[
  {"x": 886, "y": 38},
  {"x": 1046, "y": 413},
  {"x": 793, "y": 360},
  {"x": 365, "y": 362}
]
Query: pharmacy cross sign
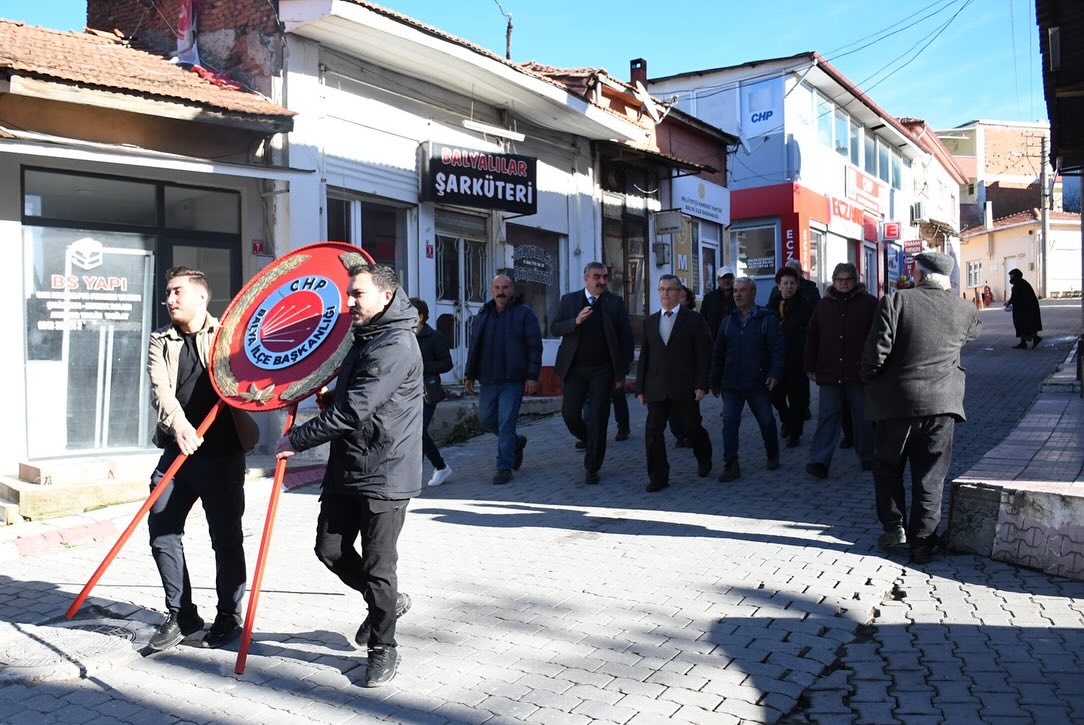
[{"x": 285, "y": 334}]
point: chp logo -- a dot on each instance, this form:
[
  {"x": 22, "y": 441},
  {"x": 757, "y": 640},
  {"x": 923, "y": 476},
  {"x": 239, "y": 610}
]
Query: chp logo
[{"x": 292, "y": 322}]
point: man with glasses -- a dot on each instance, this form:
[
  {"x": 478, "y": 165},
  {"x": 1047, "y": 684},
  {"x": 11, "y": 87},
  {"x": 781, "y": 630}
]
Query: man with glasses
[
  {"x": 672, "y": 379},
  {"x": 833, "y": 348},
  {"x": 593, "y": 359}
]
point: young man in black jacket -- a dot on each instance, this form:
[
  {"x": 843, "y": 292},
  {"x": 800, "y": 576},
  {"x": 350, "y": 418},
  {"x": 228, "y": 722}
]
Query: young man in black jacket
[{"x": 374, "y": 425}]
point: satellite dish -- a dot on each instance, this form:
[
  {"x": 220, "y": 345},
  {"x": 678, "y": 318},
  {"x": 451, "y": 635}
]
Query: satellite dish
[{"x": 651, "y": 108}]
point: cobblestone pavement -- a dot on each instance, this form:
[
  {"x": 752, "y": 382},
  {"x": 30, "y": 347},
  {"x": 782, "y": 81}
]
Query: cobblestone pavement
[{"x": 548, "y": 601}]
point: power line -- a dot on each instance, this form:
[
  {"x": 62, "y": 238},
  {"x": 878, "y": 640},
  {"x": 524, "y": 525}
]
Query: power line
[
  {"x": 945, "y": 4},
  {"x": 919, "y": 51},
  {"x": 1015, "y": 62}
]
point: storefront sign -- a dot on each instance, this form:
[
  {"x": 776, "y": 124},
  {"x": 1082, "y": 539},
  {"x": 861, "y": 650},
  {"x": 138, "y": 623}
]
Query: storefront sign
[
  {"x": 480, "y": 179},
  {"x": 891, "y": 231},
  {"x": 762, "y": 107},
  {"x": 701, "y": 199},
  {"x": 532, "y": 263},
  {"x": 668, "y": 222},
  {"x": 864, "y": 190},
  {"x": 683, "y": 252},
  {"x": 845, "y": 218}
]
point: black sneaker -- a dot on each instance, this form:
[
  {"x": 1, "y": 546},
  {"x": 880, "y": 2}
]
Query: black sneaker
[
  {"x": 622, "y": 435},
  {"x": 772, "y": 463},
  {"x": 503, "y": 475},
  {"x": 817, "y": 470},
  {"x": 581, "y": 445},
  {"x": 892, "y": 538},
  {"x": 731, "y": 472},
  {"x": 521, "y": 443},
  {"x": 227, "y": 627},
  {"x": 176, "y": 627},
  {"x": 591, "y": 477},
  {"x": 383, "y": 663},
  {"x": 402, "y": 606}
]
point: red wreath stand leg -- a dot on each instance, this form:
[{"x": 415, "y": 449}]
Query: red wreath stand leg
[
  {"x": 155, "y": 494},
  {"x": 265, "y": 544}
]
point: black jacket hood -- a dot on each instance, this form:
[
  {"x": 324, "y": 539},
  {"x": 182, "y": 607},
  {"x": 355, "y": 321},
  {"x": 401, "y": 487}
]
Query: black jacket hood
[{"x": 399, "y": 314}]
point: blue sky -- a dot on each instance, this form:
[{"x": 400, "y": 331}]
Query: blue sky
[{"x": 978, "y": 67}]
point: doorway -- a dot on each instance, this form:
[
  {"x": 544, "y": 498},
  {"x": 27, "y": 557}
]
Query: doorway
[{"x": 462, "y": 280}]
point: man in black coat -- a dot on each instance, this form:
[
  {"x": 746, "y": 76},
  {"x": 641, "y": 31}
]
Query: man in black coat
[
  {"x": 374, "y": 425},
  {"x": 719, "y": 303},
  {"x": 1026, "y": 317},
  {"x": 791, "y": 396},
  {"x": 672, "y": 379},
  {"x": 914, "y": 388},
  {"x": 593, "y": 359}
]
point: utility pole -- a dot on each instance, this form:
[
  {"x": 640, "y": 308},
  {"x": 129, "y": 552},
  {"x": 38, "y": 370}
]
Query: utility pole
[{"x": 1044, "y": 219}]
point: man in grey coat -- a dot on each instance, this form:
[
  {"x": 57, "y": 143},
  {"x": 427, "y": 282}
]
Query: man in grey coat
[{"x": 914, "y": 388}]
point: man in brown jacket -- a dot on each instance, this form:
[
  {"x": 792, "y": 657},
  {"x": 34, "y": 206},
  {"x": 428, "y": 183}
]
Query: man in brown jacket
[
  {"x": 214, "y": 473},
  {"x": 833, "y": 346}
]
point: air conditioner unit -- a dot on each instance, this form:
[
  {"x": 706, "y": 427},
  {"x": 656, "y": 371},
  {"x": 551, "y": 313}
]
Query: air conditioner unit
[{"x": 918, "y": 212}]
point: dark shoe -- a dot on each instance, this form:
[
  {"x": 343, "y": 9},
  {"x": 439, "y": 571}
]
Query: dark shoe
[
  {"x": 773, "y": 463},
  {"x": 521, "y": 443},
  {"x": 793, "y": 440},
  {"x": 592, "y": 477},
  {"x": 581, "y": 445},
  {"x": 227, "y": 627},
  {"x": 656, "y": 486},
  {"x": 1022, "y": 346},
  {"x": 503, "y": 475},
  {"x": 402, "y": 606},
  {"x": 174, "y": 629},
  {"x": 784, "y": 431},
  {"x": 1035, "y": 342},
  {"x": 847, "y": 442},
  {"x": 817, "y": 470},
  {"x": 921, "y": 553},
  {"x": 703, "y": 469},
  {"x": 892, "y": 538},
  {"x": 622, "y": 435},
  {"x": 383, "y": 664},
  {"x": 731, "y": 472}
]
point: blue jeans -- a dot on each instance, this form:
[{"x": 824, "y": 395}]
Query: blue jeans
[
  {"x": 833, "y": 398},
  {"x": 498, "y": 409},
  {"x": 760, "y": 403}
]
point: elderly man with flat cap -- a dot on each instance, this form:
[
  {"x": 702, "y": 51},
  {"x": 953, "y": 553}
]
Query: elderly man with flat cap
[{"x": 914, "y": 389}]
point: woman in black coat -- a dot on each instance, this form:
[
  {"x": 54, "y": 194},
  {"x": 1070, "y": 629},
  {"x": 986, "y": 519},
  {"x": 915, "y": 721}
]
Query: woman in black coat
[
  {"x": 791, "y": 396},
  {"x": 437, "y": 359},
  {"x": 1026, "y": 317}
]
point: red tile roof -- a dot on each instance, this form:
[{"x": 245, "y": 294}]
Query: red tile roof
[
  {"x": 1022, "y": 217},
  {"x": 104, "y": 62}
]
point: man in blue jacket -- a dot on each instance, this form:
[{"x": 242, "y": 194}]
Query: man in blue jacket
[
  {"x": 374, "y": 468},
  {"x": 505, "y": 356},
  {"x": 746, "y": 364}
]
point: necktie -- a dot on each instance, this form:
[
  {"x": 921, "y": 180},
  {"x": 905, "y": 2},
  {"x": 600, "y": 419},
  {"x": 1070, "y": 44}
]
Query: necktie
[
  {"x": 669, "y": 313},
  {"x": 590, "y": 300},
  {"x": 667, "y": 326}
]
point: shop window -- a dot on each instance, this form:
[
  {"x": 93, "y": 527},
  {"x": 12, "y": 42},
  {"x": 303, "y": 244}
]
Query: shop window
[
  {"x": 536, "y": 270},
  {"x": 202, "y": 210},
  {"x": 823, "y": 112},
  {"x": 816, "y": 251},
  {"x": 709, "y": 269},
  {"x": 379, "y": 229},
  {"x": 65, "y": 197},
  {"x": 842, "y": 133},
  {"x": 756, "y": 251}
]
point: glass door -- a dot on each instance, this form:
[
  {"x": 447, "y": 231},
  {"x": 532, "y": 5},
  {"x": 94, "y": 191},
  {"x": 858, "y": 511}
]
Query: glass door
[{"x": 462, "y": 281}]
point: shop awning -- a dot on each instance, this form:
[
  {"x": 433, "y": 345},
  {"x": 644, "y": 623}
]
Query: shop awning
[{"x": 624, "y": 152}]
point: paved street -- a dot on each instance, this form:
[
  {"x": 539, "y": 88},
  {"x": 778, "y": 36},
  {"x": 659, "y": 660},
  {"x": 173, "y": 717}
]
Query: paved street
[{"x": 547, "y": 601}]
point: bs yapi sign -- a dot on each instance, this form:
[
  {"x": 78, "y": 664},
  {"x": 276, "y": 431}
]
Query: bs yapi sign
[{"x": 468, "y": 177}]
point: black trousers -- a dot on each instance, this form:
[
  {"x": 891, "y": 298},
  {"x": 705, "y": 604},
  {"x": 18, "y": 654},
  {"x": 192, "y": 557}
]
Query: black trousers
[
  {"x": 791, "y": 398},
  {"x": 429, "y": 448},
  {"x": 926, "y": 443},
  {"x": 218, "y": 482},
  {"x": 621, "y": 407},
  {"x": 687, "y": 414},
  {"x": 373, "y": 573},
  {"x": 593, "y": 385}
]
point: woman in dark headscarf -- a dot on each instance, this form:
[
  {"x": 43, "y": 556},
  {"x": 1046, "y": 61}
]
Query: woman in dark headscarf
[{"x": 1025, "y": 311}]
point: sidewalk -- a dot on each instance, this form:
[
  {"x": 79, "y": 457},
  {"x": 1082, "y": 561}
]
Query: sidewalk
[{"x": 548, "y": 601}]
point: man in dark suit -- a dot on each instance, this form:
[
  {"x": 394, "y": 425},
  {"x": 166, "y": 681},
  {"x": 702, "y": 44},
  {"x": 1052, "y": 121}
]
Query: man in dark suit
[
  {"x": 672, "y": 379},
  {"x": 593, "y": 359},
  {"x": 914, "y": 388}
]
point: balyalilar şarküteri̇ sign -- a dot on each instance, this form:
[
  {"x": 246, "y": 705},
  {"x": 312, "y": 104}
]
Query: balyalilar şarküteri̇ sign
[{"x": 480, "y": 179}]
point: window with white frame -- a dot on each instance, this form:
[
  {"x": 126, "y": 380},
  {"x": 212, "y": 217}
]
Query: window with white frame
[
  {"x": 822, "y": 110},
  {"x": 974, "y": 274},
  {"x": 842, "y": 139}
]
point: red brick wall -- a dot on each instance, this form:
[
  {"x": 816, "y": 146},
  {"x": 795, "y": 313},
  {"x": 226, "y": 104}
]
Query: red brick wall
[
  {"x": 679, "y": 140},
  {"x": 237, "y": 38}
]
